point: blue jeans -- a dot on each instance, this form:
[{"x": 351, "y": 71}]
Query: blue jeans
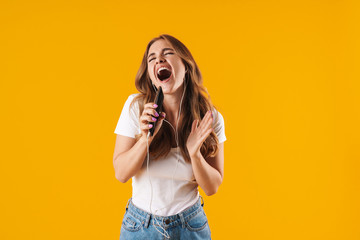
[{"x": 191, "y": 224}]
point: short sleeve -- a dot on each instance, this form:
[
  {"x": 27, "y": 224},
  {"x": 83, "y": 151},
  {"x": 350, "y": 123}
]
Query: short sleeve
[
  {"x": 219, "y": 126},
  {"x": 128, "y": 123}
]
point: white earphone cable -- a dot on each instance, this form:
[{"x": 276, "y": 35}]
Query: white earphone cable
[{"x": 165, "y": 234}]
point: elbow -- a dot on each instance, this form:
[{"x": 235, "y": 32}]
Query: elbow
[
  {"x": 210, "y": 192},
  {"x": 120, "y": 175},
  {"x": 121, "y": 178}
]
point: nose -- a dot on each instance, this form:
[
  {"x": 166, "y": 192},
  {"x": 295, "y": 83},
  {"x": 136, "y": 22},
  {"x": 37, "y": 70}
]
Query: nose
[{"x": 160, "y": 59}]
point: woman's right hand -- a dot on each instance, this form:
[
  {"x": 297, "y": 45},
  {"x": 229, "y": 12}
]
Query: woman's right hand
[{"x": 147, "y": 119}]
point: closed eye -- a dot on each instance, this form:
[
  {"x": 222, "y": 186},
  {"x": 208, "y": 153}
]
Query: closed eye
[{"x": 164, "y": 54}]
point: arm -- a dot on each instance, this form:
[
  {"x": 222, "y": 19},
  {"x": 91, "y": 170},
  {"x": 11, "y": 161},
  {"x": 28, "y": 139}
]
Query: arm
[
  {"x": 130, "y": 154},
  {"x": 128, "y": 157},
  {"x": 209, "y": 173}
]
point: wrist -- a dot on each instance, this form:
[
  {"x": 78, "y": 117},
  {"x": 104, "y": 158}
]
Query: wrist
[
  {"x": 143, "y": 138},
  {"x": 196, "y": 155}
]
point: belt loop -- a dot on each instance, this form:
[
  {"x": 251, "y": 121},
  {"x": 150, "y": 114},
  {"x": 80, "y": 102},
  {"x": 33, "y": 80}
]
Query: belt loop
[
  {"x": 203, "y": 202},
  {"x": 182, "y": 220},
  {"x": 127, "y": 205},
  {"x": 147, "y": 220}
]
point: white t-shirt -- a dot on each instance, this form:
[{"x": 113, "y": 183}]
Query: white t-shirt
[{"x": 169, "y": 175}]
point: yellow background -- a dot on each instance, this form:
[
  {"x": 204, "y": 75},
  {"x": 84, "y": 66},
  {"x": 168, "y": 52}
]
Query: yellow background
[{"x": 284, "y": 74}]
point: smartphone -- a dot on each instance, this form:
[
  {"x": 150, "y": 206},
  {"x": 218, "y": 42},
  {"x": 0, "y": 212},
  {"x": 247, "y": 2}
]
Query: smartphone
[{"x": 159, "y": 98}]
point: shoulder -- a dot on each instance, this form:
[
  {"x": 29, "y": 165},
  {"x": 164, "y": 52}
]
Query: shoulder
[
  {"x": 219, "y": 125},
  {"x": 132, "y": 96},
  {"x": 128, "y": 123},
  {"x": 130, "y": 99},
  {"x": 218, "y": 117}
]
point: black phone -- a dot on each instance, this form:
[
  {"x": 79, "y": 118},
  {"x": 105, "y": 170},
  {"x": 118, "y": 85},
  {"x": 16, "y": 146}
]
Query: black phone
[{"x": 159, "y": 98}]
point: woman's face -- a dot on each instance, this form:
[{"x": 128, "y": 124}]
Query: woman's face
[{"x": 162, "y": 55}]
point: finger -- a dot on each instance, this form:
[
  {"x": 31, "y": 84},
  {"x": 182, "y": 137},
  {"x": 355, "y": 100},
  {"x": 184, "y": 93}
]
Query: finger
[
  {"x": 194, "y": 124},
  {"x": 145, "y": 127},
  {"x": 150, "y": 105},
  {"x": 207, "y": 124},
  {"x": 147, "y": 118},
  {"x": 208, "y": 118},
  {"x": 151, "y": 111},
  {"x": 204, "y": 120},
  {"x": 205, "y": 130},
  {"x": 162, "y": 115},
  {"x": 206, "y": 134}
]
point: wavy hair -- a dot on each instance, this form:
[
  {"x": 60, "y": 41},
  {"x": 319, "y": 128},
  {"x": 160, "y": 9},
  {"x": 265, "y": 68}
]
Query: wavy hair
[{"x": 195, "y": 104}]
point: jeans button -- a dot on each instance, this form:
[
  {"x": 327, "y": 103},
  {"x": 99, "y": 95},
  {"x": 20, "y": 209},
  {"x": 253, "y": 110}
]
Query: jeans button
[{"x": 167, "y": 221}]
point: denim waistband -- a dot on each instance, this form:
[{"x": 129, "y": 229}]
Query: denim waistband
[{"x": 167, "y": 221}]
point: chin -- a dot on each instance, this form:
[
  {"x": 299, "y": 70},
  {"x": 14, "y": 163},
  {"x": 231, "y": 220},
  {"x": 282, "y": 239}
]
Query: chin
[
  {"x": 169, "y": 86},
  {"x": 167, "y": 89}
]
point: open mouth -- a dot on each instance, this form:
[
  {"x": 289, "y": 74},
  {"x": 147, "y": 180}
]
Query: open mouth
[{"x": 163, "y": 74}]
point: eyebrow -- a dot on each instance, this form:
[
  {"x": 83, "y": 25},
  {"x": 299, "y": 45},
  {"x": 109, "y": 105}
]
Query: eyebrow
[{"x": 164, "y": 49}]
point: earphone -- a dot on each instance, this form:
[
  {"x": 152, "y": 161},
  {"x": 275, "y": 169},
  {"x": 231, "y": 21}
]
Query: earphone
[{"x": 165, "y": 234}]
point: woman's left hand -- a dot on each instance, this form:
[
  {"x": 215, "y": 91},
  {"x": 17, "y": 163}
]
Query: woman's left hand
[{"x": 198, "y": 134}]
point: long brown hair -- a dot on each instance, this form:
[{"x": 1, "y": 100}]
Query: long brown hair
[{"x": 195, "y": 104}]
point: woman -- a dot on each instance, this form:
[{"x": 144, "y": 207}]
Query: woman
[{"x": 183, "y": 153}]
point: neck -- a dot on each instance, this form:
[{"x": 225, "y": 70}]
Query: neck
[{"x": 172, "y": 104}]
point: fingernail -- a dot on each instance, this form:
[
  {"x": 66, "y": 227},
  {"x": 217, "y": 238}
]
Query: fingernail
[
  {"x": 163, "y": 114},
  {"x": 150, "y": 125},
  {"x": 156, "y": 114},
  {"x": 155, "y": 105},
  {"x": 154, "y": 119}
]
